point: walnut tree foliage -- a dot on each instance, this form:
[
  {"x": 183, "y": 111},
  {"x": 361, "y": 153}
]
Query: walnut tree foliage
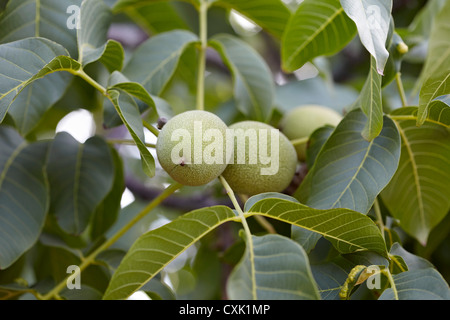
[{"x": 368, "y": 206}]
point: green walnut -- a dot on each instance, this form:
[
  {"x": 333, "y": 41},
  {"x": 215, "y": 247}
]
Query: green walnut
[
  {"x": 263, "y": 160},
  {"x": 190, "y": 147},
  {"x": 302, "y": 121}
]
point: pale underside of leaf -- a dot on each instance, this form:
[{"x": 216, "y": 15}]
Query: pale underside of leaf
[
  {"x": 372, "y": 19},
  {"x": 276, "y": 269}
]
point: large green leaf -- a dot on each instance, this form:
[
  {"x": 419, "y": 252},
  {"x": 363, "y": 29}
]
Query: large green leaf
[
  {"x": 436, "y": 71},
  {"x": 372, "y": 18},
  {"x": 318, "y": 27},
  {"x": 370, "y": 101},
  {"x": 49, "y": 19},
  {"x": 155, "y": 61},
  {"x": 347, "y": 230},
  {"x": 24, "y": 196},
  {"x": 271, "y": 15},
  {"x": 95, "y": 19},
  {"x": 156, "y": 17},
  {"x": 273, "y": 268},
  {"x": 80, "y": 176},
  {"x": 419, "y": 193},
  {"x": 330, "y": 276},
  {"x": 422, "y": 284},
  {"x": 121, "y": 5},
  {"x": 155, "y": 249},
  {"x": 108, "y": 210},
  {"x": 316, "y": 142},
  {"x": 254, "y": 89},
  {"x": 129, "y": 113},
  {"x": 349, "y": 171},
  {"x": 21, "y": 60},
  {"x": 36, "y": 99}
]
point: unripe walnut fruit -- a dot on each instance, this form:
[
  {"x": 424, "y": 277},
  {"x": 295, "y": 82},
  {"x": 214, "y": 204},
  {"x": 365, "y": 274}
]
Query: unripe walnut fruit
[
  {"x": 276, "y": 160},
  {"x": 302, "y": 121},
  {"x": 186, "y": 147}
]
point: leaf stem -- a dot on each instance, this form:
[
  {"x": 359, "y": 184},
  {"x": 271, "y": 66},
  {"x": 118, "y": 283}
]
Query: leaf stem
[
  {"x": 54, "y": 293},
  {"x": 414, "y": 118},
  {"x": 203, "y": 25},
  {"x": 150, "y": 128},
  {"x": 91, "y": 81},
  {"x": 401, "y": 90},
  {"x": 248, "y": 233},
  {"x": 376, "y": 208},
  {"x": 388, "y": 275},
  {"x": 129, "y": 142}
]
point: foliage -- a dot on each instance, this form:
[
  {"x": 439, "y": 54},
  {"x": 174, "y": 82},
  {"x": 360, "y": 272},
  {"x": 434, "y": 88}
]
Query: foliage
[{"x": 365, "y": 217}]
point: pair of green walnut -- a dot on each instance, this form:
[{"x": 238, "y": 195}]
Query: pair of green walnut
[{"x": 189, "y": 143}]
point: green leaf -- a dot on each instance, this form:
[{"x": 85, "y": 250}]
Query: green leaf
[
  {"x": 158, "y": 290},
  {"x": 108, "y": 210},
  {"x": 95, "y": 19},
  {"x": 119, "y": 81},
  {"x": 128, "y": 111},
  {"x": 330, "y": 276},
  {"x": 254, "y": 90},
  {"x": 273, "y": 268},
  {"x": 271, "y": 15},
  {"x": 21, "y": 60},
  {"x": 349, "y": 171},
  {"x": 29, "y": 107},
  {"x": 316, "y": 142},
  {"x": 419, "y": 193},
  {"x": 318, "y": 27},
  {"x": 156, "y": 17},
  {"x": 80, "y": 177},
  {"x": 347, "y": 230},
  {"x": 412, "y": 261},
  {"x": 372, "y": 19},
  {"x": 155, "y": 249},
  {"x": 155, "y": 61},
  {"x": 436, "y": 71},
  {"x": 28, "y": 112},
  {"x": 50, "y": 19},
  {"x": 24, "y": 196},
  {"x": 127, "y": 4},
  {"x": 370, "y": 101},
  {"x": 423, "y": 284},
  {"x": 157, "y": 106},
  {"x": 267, "y": 195}
]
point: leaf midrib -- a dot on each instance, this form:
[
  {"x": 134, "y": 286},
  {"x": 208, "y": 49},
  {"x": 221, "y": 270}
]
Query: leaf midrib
[
  {"x": 10, "y": 161},
  {"x": 230, "y": 218},
  {"x": 369, "y": 147},
  {"x": 252, "y": 213},
  {"x": 414, "y": 172}
]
